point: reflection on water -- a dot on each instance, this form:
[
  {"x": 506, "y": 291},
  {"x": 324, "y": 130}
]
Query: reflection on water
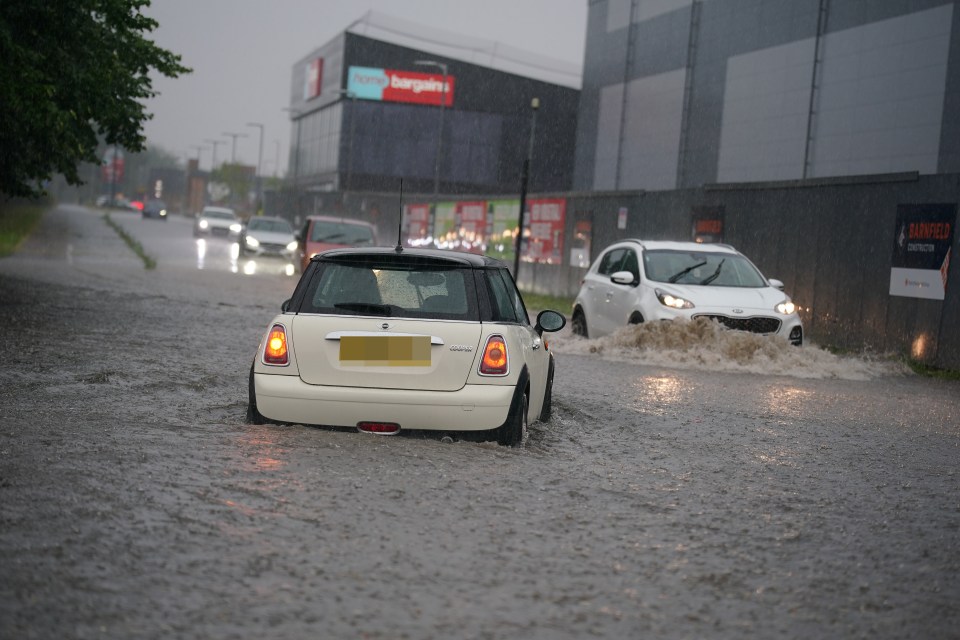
[
  {"x": 656, "y": 393},
  {"x": 788, "y": 401},
  {"x": 201, "y": 252},
  {"x": 247, "y": 267}
]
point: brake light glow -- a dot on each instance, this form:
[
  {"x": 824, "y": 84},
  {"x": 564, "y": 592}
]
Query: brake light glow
[
  {"x": 276, "y": 350},
  {"x": 494, "y": 361}
]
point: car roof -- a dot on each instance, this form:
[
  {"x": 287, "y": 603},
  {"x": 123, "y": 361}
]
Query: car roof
[
  {"x": 671, "y": 245},
  {"x": 471, "y": 260},
  {"x": 271, "y": 218},
  {"x": 220, "y": 209},
  {"x": 340, "y": 219}
]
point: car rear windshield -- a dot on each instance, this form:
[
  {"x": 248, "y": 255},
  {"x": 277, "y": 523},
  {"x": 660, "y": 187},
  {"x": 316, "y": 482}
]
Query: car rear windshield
[
  {"x": 336, "y": 232},
  {"x": 701, "y": 267},
  {"x": 276, "y": 226},
  {"x": 393, "y": 288}
]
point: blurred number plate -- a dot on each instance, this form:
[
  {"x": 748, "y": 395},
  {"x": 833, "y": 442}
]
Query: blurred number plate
[{"x": 385, "y": 351}]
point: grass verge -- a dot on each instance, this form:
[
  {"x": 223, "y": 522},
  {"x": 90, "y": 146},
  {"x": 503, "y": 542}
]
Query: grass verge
[
  {"x": 17, "y": 221},
  {"x": 136, "y": 247},
  {"x": 539, "y": 302},
  {"x": 932, "y": 372}
]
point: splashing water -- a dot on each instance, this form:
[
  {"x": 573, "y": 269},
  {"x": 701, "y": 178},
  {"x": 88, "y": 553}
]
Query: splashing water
[{"x": 706, "y": 345}]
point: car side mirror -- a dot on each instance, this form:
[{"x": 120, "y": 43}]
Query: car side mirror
[
  {"x": 549, "y": 321},
  {"x": 285, "y": 306},
  {"x": 776, "y": 284},
  {"x": 622, "y": 277}
]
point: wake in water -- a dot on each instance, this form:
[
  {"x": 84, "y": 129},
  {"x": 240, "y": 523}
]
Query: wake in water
[{"x": 706, "y": 345}]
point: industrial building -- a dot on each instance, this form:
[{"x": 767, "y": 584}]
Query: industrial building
[{"x": 682, "y": 93}]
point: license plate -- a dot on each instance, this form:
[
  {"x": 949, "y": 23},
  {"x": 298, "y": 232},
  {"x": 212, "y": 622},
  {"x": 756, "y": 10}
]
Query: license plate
[{"x": 385, "y": 351}]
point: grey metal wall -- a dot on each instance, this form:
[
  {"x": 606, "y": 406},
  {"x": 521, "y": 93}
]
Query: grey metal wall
[
  {"x": 679, "y": 93},
  {"x": 830, "y": 240}
]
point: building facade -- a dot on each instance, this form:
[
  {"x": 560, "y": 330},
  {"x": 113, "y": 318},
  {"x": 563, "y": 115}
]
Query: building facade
[
  {"x": 681, "y": 93},
  {"x": 367, "y": 112}
]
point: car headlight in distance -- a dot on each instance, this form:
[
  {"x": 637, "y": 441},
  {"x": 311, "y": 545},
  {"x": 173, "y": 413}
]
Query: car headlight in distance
[
  {"x": 252, "y": 242},
  {"x": 672, "y": 301},
  {"x": 292, "y": 246},
  {"x": 236, "y": 228},
  {"x": 786, "y": 308},
  {"x": 204, "y": 224},
  {"x": 163, "y": 212}
]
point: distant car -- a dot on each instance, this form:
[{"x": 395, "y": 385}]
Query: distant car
[
  {"x": 643, "y": 281},
  {"x": 118, "y": 202},
  {"x": 320, "y": 233},
  {"x": 154, "y": 209},
  {"x": 268, "y": 236},
  {"x": 217, "y": 221},
  {"x": 383, "y": 340}
]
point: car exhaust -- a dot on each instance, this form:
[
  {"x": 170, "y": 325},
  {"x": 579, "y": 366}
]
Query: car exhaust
[{"x": 379, "y": 428}]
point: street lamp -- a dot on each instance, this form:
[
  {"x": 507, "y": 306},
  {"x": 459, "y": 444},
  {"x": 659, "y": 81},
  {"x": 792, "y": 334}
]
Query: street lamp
[
  {"x": 215, "y": 143},
  {"x": 524, "y": 178},
  {"x": 233, "y": 151},
  {"x": 443, "y": 102},
  {"x": 259, "y": 125}
]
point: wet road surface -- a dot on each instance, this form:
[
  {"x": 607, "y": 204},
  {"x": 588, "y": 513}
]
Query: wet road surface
[{"x": 659, "y": 502}]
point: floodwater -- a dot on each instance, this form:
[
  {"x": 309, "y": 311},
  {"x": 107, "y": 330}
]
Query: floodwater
[{"x": 688, "y": 487}]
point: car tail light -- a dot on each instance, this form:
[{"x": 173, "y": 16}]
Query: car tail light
[
  {"x": 276, "y": 350},
  {"x": 494, "y": 361},
  {"x": 379, "y": 428}
]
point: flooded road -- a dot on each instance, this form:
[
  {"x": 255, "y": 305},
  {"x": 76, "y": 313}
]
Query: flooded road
[{"x": 673, "y": 495}]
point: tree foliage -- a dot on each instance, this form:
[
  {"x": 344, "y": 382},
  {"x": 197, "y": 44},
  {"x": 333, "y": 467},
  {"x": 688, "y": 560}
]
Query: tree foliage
[{"x": 72, "y": 71}]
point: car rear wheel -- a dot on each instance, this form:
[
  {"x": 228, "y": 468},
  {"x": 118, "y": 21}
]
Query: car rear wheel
[
  {"x": 511, "y": 433},
  {"x": 579, "y": 322}
]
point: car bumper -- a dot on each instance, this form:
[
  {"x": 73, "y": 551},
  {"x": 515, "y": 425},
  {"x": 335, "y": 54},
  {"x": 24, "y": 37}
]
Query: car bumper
[
  {"x": 477, "y": 407},
  {"x": 753, "y": 321},
  {"x": 266, "y": 252}
]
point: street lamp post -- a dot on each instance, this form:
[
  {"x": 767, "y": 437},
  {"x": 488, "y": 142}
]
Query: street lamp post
[
  {"x": 259, "y": 125},
  {"x": 353, "y": 121},
  {"x": 443, "y": 103},
  {"x": 233, "y": 150},
  {"x": 296, "y": 161},
  {"x": 524, "y": 178},
  {"x": 215, "y": 143}
]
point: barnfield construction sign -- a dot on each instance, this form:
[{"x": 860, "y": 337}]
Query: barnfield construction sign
[{"x": 921, "y": 250}]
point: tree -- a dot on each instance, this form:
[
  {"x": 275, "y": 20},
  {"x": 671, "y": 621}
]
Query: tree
[{"x": 70, "y": 71}]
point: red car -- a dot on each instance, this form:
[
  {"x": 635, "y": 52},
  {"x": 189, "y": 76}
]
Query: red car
[{"x": 320, "y": 233}]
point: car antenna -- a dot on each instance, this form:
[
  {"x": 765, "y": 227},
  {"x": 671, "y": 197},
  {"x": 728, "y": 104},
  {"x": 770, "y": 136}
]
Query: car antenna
[{"x": 399, "y": 247}]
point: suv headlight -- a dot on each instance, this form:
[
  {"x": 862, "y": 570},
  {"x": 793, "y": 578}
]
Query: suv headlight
[
  {"x": 786, "y": 307},
  {"x": 252, "y": 242},
  {"x": 204, "y": 224},
  {"x": 292, "y": 246},
  {"x": 236, "y": 228},
  {"x": 672, "y": 301}
]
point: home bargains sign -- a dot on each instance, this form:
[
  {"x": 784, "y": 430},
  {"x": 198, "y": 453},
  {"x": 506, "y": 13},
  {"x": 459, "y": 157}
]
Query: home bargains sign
[{"x": 390, "y": 85}]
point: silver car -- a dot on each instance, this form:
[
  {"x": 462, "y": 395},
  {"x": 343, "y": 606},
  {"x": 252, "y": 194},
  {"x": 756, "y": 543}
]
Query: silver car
[
  {"x": 268, "y": 236},
  {"x": 217, "y": 221}
]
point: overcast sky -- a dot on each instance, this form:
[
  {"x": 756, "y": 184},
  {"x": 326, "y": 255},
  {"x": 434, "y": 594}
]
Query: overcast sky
[{"x": 242, "y": 53}]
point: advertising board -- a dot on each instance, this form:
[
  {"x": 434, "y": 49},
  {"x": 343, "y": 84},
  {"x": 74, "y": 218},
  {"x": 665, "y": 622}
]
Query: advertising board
[
  {"x": 921, "y": 250},
  {"x": 392, "y": 85}
]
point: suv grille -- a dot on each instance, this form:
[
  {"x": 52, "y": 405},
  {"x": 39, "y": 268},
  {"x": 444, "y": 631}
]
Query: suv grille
[{"x": 753, "y": 325}]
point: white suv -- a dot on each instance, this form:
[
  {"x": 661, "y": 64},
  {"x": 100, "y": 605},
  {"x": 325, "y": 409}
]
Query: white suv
[{"x": 640, "y": 281}]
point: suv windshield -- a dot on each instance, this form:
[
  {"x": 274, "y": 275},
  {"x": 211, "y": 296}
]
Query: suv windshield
[
  {"x": 275, "y": 226},
  {"x": 390, "y": 288},
  {"x": 341, "y": 233},
  {"x": 701, "y": 267},
  {"x": 221, "y": 215}
]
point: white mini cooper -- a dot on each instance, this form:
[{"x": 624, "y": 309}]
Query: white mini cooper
[{"x": 384, "y": 340}]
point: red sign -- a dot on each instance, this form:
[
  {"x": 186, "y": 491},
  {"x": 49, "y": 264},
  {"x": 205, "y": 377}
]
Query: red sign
[
  {"x": 113, "y": 165},
  {"x": 313, "y": 81},
  {"x": 418, "y": 223},
  {"x": 471, "y": 221},
  {"x": 418, "y": 88},
  {"x": 545, "y": 240}
]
